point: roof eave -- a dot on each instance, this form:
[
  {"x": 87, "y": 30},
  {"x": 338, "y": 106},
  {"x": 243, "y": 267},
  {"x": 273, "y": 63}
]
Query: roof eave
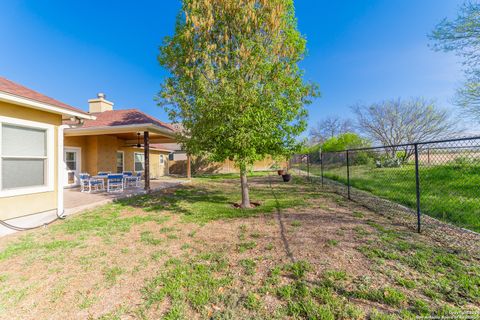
[
  {"x": 150, "y": 127},
  {"x": 18, "y": 100}
]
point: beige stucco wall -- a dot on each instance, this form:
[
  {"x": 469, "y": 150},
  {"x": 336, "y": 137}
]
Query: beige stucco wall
[
  {"x": 156, "y": 170},
  {"x": 17, "y": 206},
  {"x": 99, "y": 154}
]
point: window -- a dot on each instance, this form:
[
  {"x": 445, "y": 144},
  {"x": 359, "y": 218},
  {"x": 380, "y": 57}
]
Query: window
[
  {"x": 162, "y": 160},
  {"x": 171, "y": 156},
  {"x": 119, "y": 161},
  {"x": 71, "y": 160},
  {"x": 26, "y": 157},
  {"x": 139, "y": 159}
]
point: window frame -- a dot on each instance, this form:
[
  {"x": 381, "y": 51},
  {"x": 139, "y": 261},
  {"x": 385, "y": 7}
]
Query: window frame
[
  {"x": 49, "y": 173},
  {"x": 123, "y": 160},
  {"x": 134, "y": 167},
  {"x": 78, "y": 150},
  {"x": 75, "y": 160}
]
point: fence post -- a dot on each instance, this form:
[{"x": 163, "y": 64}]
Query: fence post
[
  {"x": 321, "y": 166},
  {"x": 417, "y": 187},
  {"x": 348, "y": 175},
  {"x": 308, "y": 167}
]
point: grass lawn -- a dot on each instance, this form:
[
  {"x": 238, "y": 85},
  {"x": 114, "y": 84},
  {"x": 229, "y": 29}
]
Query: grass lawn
[
  {"x": 186, "y": 253},
  {"x": 448, "y": 192}
]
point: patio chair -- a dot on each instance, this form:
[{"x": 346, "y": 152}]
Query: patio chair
[
  {"x": 115, "y": 182},
  {"x": 84, "y": 182},
  {"x": 133, "y": 180},
  {"x": 87, "y": 183},
  {"x": 104, "y": 173}
]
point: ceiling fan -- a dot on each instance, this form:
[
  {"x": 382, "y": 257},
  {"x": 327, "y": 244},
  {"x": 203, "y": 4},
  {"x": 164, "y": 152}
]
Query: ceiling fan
[{"x": 138, "y": 144}]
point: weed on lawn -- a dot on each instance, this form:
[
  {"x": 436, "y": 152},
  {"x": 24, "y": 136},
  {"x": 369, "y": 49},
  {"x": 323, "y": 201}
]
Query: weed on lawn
[{"x": 244, "y": 246}]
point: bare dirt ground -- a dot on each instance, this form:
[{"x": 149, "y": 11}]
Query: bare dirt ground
[{"x": 102, "y": 271}]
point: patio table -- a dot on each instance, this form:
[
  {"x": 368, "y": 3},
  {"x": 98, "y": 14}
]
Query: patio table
[{"x": 104, "y": 177}]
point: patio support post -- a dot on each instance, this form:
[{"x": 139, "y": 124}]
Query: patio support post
[
  {"x": 189, "y": 167},
  {"x": 146, "y": 150}
]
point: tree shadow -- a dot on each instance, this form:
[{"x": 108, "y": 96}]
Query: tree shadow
[
  {"x": 177, "y": 199},
  {"x": 281, "y": 224}
]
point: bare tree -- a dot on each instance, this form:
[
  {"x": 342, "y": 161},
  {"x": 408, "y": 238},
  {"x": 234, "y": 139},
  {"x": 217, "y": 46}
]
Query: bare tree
[
  {"x": 399, "y": 121},
  {"x": 330, "y": 127},
  {"x": 462, "y": 36}
]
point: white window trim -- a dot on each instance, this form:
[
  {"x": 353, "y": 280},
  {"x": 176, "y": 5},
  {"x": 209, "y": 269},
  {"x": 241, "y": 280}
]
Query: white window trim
[
  {"x": 79, "y": 160},
  {"x": 134, "y": 154},
  {"x": 64, "y": 163},
  {"x": 123, "y": 160},
  {"x": 50, "y": 158}
]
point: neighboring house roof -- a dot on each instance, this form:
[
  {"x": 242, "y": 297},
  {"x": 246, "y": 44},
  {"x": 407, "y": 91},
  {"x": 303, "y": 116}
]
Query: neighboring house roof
[
  {"x": 15, "y": 89},
  {"x": 160, "y": 147},
  {"x": 177, "y": 126},
  {"x": 123, "y": 118},
  {"x": 168, "y": 146}
]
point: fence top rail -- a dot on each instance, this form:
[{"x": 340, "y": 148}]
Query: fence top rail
[{"x": 407, "y": 144}]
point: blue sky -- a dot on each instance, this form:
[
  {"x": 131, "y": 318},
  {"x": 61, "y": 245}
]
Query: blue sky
[{"x": 359, "y": 51}]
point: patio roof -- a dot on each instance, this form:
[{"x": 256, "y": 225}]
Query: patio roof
[{"x": 124, "y": 124}]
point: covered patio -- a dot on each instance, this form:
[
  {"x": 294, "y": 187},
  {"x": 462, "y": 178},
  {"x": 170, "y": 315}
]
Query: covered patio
[{"x": 116, "y": 141}]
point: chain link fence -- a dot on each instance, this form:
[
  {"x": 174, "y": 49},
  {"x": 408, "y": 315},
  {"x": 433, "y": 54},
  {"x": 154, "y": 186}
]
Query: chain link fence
[{"x": 431, "y": 186}]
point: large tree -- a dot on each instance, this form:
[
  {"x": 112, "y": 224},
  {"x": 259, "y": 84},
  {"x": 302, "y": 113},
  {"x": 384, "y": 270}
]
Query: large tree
[
  {"x": 329, "y": 128},
  {"x": 462, "y": 36},
  {"x": 234, "y": 82},
  {"x": 399, "y": 121}
]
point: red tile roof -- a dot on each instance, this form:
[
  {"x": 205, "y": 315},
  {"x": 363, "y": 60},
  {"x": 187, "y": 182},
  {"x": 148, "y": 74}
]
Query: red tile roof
[
  {"x": 24, "y": 92},
  {"x": 123, "y": 118}
]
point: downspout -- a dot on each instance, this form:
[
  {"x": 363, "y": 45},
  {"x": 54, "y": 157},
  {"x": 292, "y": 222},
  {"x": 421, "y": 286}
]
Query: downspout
[{"x": 60, "y": 173}]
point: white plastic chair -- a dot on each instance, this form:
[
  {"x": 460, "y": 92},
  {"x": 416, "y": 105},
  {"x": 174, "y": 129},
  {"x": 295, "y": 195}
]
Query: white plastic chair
[
  {"x": 89, "y": 184},
  {"x": 115, "y": 183}
]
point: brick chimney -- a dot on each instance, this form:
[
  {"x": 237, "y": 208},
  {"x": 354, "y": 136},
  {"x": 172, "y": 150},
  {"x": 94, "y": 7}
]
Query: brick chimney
[{"x": 100, "y": 104}]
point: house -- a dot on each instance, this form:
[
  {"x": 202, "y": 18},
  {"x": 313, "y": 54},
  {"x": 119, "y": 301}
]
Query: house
[
  {"x": 45, "y": 144},
  {"x": 176, "y": 152},
  {"x": 114, "y": 141},
  {"x": 31, "y": 151}
]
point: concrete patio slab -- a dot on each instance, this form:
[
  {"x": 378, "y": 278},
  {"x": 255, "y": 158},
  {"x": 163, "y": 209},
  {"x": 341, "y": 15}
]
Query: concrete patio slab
[{"x": 76, "y": 201}]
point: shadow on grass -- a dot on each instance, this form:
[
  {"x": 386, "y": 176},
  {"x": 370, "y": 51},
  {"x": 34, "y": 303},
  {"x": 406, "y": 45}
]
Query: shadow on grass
[
  {"x": 178, "y": 199},
  {"x": 213, "y": 199},
  {"x": 286, "y": 245}
]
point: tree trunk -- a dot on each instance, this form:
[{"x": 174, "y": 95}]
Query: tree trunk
[{"x": 245, "y": 194}]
